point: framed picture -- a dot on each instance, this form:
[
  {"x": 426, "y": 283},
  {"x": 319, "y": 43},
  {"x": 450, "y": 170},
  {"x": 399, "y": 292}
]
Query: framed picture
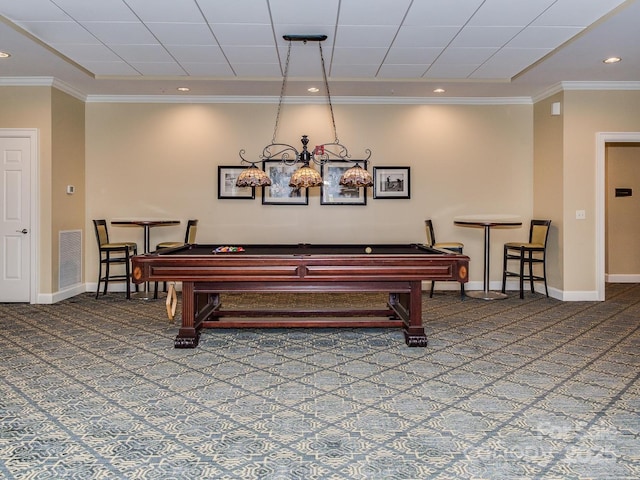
[
  {"x": 332, "y": 193},
  {"x": 280, "y": 193},
  {"x": 227, "y": 176},
  {"x": 391, "y": 182}
]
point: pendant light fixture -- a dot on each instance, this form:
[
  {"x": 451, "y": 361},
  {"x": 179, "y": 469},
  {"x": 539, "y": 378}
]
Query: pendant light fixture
[{"x": 306, "y": 176}]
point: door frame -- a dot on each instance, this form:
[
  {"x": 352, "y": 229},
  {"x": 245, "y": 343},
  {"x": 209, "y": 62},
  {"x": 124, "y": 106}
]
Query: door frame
[
  {"x": 34, "y": 199},
  {"x": 602, "y": 138}
]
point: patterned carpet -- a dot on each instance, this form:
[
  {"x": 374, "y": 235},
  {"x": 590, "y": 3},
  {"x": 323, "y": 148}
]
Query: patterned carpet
[{"x": 512, "y": 389}]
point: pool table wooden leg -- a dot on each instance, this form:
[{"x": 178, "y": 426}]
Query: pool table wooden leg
[
  {"x": 414, "y": 334},
  {"x": 188, "y": 335}
]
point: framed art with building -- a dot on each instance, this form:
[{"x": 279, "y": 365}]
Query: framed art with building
[
  {"x": 332, "y": 193},
  {"x": 280, "y": 193},
  {"x": 227, "y": 176},
  {"x": 391, "y": 182}
]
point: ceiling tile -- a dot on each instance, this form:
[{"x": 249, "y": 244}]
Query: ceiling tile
[
  {"x": 121, "y": 33},
  {"x": 243, "y": 34},
  {"x": 87, "y": 53},
  {"x": 543, "y": 37},
  {"x": 304, "y": 60},
  {"x": 250, "y": 11},
  {"x": 166, "y": 10},
  {"x": 412, "y": 55},
  {"x": 346, "y": 56},
  {"x": 197, "y": 53},
  {"x": 484, "y": 36},
  {"x": 430, "y": 13},
  {"x": 142, "y": 53},
  {"x": 576, "y": 12},
  {"x": 365, "y": 36},
  {"x": 373, "y": 12},
  {"x": 182, "y": 33},
  {"x": 34, "y": 10},
  {"x": 508, "y": 12},
  {"x": 250, "y": 54},
  {"x": 425, "y": 36},
  {"x": 59, "y": 32},
  {"x": 104, "y": 11},
  {"x": 508, "y": 62},
  {"x": 301, "y": 13},
  {"x": 465, "y": 55}
]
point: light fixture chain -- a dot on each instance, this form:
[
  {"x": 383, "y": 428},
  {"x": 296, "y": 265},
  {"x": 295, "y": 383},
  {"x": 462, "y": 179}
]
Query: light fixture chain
[
  {"x": 326, "y": 86},
  {"x": 282, "y": 91}
]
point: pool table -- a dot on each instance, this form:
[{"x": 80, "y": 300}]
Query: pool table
[{"x": 206, "y": 271}]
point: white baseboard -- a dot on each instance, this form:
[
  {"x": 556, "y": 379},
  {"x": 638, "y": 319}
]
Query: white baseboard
[
  {"x": 622, "y": 278},
  {"x": 48, "y": 298},
  {"x": 514, "y": 286}
]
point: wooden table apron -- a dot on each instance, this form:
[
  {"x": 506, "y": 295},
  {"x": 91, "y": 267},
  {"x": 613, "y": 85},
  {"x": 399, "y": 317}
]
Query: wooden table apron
[{"x": 205, "y": 277}]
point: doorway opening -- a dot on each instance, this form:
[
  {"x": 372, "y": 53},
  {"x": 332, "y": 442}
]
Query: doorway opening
[{"x": 602, "y": 139}]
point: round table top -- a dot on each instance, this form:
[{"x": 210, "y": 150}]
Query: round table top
[
  {"x": 145, "y": 222},
  {"x": 489, "y": 220}
]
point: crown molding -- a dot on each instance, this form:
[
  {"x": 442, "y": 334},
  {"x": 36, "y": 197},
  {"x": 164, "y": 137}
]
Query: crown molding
[
  {"x": 42, "y": 82},
  {"x": 577, "y": 86},
  {"x": 310, "y": 100},
  {"x": 601, "y": 85},
  {"x": 387, "y": 100}
]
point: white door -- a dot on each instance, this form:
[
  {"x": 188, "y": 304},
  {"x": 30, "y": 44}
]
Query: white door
[{"x": 15, "y": 220}]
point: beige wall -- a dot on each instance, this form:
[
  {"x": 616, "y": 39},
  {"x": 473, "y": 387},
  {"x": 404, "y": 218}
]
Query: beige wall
[
  {"x": 160, "y": 161},
  {"x": 623, "y": 213},
  {"x": 67, "y": 211},
  {"x": 585, "y": 114},
  {"x": 548, "y": 177}
]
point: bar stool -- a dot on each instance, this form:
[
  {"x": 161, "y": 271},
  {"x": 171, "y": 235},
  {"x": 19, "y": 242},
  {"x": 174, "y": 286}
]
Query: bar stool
[
  {"x": 456, "y": 247},
  {"x": 529, "y": 253},
  {"x": 119, "y": 253}
]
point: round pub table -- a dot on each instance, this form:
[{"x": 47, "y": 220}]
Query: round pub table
[
  {"x": 487, "y": 222},
  {"x": 146, "y": 226}
]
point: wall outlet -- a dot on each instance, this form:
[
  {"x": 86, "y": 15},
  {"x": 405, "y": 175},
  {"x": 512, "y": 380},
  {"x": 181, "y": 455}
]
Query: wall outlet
[{"x": 581, "y": 215}]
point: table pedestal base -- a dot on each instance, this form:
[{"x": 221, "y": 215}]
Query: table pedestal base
[{"x": 484, "y": 295}]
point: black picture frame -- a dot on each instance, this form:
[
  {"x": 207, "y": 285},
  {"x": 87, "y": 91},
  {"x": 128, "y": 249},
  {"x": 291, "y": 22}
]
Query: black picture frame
[
  {"x": 332, "y": 193},
  {"x": 280, "y": 193},
  {"x": 227, "y": 176},
  {"x": 392, "y": 182}
]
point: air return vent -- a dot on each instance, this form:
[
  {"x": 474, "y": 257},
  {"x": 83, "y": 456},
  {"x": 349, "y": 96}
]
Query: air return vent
[{"x": 70, "y": 255}]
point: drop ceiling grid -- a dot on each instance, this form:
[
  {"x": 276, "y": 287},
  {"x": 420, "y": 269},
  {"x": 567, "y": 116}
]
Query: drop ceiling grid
[{"x": 494, "y": 39}]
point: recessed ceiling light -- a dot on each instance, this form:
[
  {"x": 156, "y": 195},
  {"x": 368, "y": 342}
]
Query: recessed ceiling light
[
  {"x": 183, "y": 89},
  {"x": 313, "y": 89},
  {"x": 439, "y": 90},
  {"x": 612, "y": 60},
  {"x": 4, "y": 55}
]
